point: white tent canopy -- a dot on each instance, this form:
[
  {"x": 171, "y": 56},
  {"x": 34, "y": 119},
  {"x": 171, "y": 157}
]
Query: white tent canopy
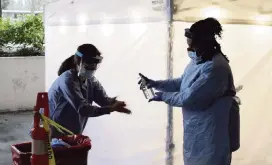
[
  {"x": 232, "y": 11},
  {"x": 133, "y": 37}
]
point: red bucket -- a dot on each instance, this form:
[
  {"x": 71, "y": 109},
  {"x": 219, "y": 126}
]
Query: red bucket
[{"x": 77, "y": 154}]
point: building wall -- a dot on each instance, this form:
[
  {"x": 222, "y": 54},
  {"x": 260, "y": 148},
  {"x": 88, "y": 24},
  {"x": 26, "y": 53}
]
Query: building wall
[{"x": 21, "y": 79}]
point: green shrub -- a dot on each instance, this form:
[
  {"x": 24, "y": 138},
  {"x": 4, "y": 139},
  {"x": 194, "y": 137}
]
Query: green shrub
[{"x": 26, "y": 35}]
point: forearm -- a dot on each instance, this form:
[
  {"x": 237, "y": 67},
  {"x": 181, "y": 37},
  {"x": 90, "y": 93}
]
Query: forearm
[
  {"x": 94, "y": 111},
  {"x": 173, "y": 99},
  {"x": 100, "y": 96},
  {"x": 171, "y": 85},
  {"x": 187, "y": 100},
  {"x": 105, "y": 101},
  {"x": 110, "y": 101}
]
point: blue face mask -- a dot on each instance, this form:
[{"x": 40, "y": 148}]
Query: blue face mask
[
  {"x": 88, "y": 74},
  {"x": 193, "y": 56}
]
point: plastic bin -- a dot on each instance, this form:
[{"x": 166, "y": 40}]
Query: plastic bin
[{"x": 77, "y": 154}]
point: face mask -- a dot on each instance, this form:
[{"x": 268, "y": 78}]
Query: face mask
[
  {"x": 88, "y": 74},
  {"x": 193, "y": 56}
]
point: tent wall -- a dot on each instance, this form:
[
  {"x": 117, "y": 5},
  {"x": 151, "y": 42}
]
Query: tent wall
[
  {"x": 130, "y": 48},
  {"x": 119, "y": 139},
  {"x": 129, "y": 45}
]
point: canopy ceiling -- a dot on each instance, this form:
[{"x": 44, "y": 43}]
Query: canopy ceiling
[
  {"x": 230, "y": 11},
  {"x": 227, "y": 11}
]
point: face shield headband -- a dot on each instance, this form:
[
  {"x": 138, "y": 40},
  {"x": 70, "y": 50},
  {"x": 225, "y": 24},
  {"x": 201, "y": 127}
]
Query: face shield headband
[
  {"x": 87, "y": 70},
  {"x": 188, "y": 34},
  {"x": 96, "y": 59},
  {"x": 192, "y": 36}
]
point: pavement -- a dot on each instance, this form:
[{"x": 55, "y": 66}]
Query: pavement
[{"x": 13, "y": 130}]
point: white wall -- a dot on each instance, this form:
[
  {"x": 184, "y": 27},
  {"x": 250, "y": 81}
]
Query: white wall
[{"x": 21, "y": 79}]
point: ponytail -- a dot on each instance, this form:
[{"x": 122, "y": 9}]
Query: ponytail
[
  {"x": 68, "y": 64},
  {"x": 218, "y": 48},
  {"x": 214, "y": 27}
]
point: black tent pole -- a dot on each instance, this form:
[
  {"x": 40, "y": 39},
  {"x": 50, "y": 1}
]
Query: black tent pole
[{"x": 169, "y": 136}]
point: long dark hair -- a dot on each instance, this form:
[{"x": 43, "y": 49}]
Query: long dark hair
[
  {"x": 88, "y": 51},
  {"x": 205, "y": 33}
]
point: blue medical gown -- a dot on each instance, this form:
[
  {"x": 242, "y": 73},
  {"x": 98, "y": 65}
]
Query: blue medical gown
[
  {"x": 70, "y": 102},
  {"x": 205, "y": 93}
]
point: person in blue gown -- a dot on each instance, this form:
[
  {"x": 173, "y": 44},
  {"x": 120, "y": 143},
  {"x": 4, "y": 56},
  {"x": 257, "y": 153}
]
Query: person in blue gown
[
  {"x": 206, "y": 92},
  {"x": 72, "y": 94}
]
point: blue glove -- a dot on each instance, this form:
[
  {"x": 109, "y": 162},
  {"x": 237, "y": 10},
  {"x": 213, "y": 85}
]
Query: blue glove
[
  {"x": 59, "y": 143},
  {"x": 149, "y": 83},
  {"x": 157, "y": 97}
]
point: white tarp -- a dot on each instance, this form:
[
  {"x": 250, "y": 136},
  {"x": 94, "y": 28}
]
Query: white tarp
[{"x": 130, "y": 48}]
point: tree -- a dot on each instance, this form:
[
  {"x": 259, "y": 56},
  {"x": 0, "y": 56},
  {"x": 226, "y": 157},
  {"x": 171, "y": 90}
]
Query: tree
[{"x": 26, "y": 34}]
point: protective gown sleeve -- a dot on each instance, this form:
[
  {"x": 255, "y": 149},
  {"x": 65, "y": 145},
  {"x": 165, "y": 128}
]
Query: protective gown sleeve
[
  {"x": 100, "y": 95},
  {"x": 210, "y": 85},
  {"x": 72, "y": 92},
  {"x": 170, "y": 85}
]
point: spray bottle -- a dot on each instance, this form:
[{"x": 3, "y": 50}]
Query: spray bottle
[{"x": 148, "y": 92}]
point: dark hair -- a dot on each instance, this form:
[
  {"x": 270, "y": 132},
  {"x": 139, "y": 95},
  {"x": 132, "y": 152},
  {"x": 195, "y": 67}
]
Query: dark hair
[
  {"x": 88, "y": 51},
  {"x": 205, "y": 33}
]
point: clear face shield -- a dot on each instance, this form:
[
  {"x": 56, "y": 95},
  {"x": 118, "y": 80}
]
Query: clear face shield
[
  {"x": 87, "y": 69},
  {"x": 189, "y": 35}
]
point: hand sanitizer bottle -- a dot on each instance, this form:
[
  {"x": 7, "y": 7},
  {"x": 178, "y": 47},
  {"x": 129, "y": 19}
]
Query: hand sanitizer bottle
[{"x": 148, "y": 92}]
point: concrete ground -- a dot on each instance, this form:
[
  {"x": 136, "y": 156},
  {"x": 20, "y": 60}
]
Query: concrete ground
[{"x": 13, "y": 130}]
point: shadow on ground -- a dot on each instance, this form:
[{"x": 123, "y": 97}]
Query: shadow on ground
[{"x": 14, "y": 129}]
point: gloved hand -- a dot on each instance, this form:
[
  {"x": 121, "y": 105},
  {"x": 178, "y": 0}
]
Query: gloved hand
[
  {"x": 114, "y": 100},
  {"x": 157, "y": 97},
  {"x": 120, "y": 106},
  {"x": 149, "y": 83}
]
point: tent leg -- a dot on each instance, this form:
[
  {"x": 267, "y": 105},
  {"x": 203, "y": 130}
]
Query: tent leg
[
  {"x": 169, "y": 142},
  {"x": 169, "y": 136}
]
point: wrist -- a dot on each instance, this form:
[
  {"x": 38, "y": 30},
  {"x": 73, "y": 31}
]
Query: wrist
[
  {"x": 105, "y": 110},
  {"x": 152, "y": 83},
  {"x": 111, "y": 100},
  {"x": 111, "y": 109}
]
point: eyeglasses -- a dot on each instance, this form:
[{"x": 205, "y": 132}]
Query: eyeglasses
[
  {"x": 92, "y": 66},
  {"x": 93, "y": 60}
]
